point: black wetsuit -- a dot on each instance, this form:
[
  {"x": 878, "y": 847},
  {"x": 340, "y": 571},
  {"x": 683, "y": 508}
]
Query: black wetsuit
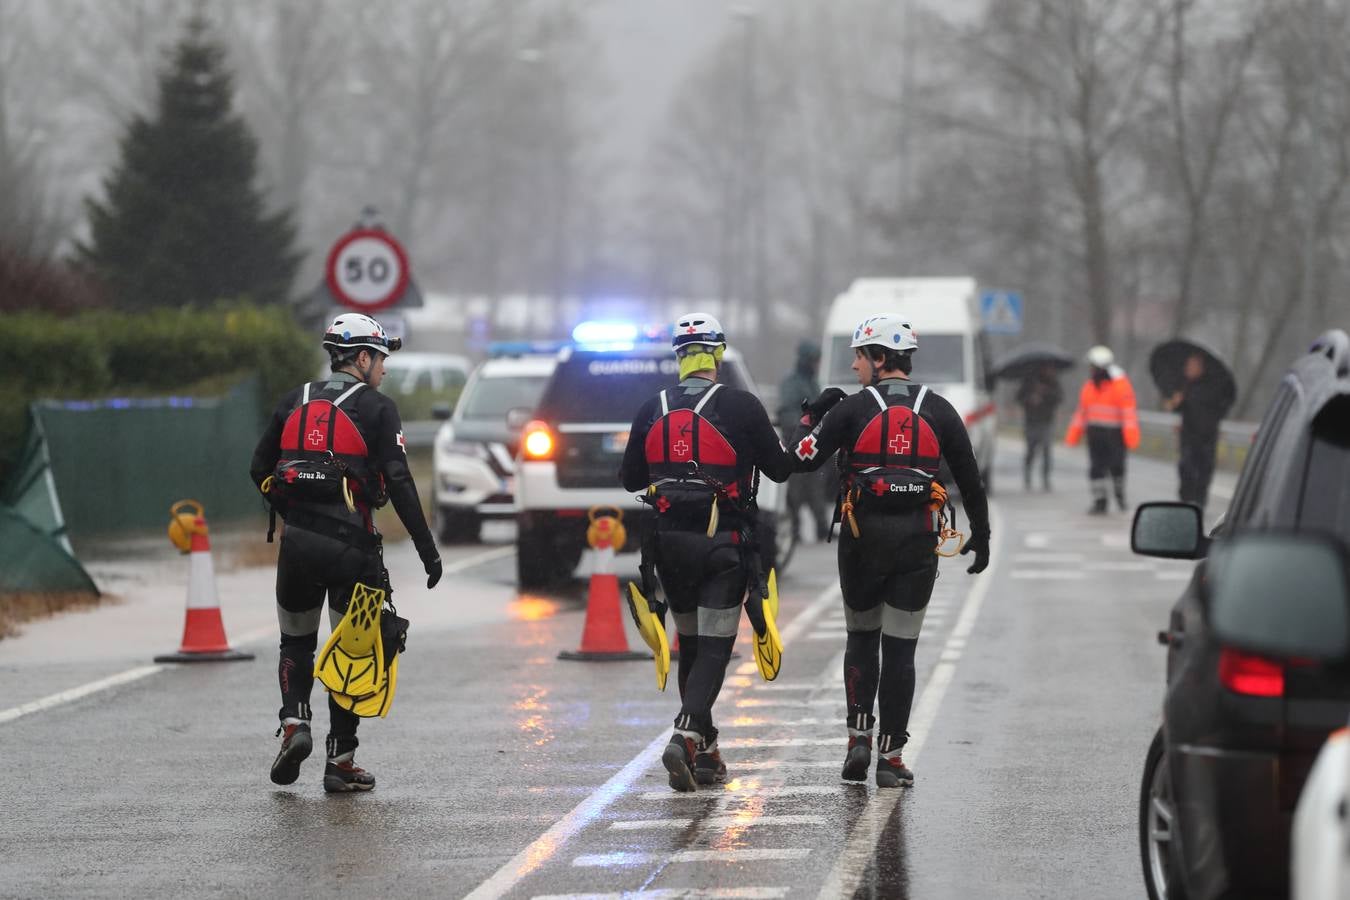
[
  {"x": 887, "y": 572},
  {"x": 705, "y": 578},
  {"x": 1040, "y": 395},
  {"x": 1204, "y": 403},
  {"x": 325, "y": 548}
]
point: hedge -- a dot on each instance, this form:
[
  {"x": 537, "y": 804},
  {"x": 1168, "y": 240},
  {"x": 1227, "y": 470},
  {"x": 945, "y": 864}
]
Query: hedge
[{"x": 186, "y": 352}]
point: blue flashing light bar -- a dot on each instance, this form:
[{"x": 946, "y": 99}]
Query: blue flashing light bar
[{"x": 606, "y": 333}]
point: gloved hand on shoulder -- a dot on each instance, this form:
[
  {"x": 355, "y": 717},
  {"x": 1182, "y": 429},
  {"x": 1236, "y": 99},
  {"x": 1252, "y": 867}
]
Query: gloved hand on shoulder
[
  {"x": 816, "y": 410},
  {"x": 979, "y": 545}
]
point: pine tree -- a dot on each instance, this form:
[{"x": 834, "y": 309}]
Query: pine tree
[{"x": 183, "y": 222}]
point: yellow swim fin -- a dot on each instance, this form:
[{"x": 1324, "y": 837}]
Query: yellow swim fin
[
  {"x": 653, "y": 632},
  {"x": 768, "y": 645},
  {"x": 376, "y": 704},
  {"x": 352, "y": 661}
]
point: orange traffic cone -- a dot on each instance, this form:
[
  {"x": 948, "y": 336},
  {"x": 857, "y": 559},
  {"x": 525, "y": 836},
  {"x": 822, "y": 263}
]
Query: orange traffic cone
[
  {"x": 203, "y": 630},
  {"x": 602, "y": 637}
]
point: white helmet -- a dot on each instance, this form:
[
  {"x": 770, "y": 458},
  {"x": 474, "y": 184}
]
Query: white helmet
[
  {"x": 698, "y": 328},
  {"x": 353, "y": 331},
  {"x": 1101, "y": 357},
  {"x": 886, "y": 330}
]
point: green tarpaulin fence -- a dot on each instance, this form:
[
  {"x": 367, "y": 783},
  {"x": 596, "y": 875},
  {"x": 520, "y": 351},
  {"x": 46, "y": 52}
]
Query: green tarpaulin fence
[{"x": 112, "y": 465}]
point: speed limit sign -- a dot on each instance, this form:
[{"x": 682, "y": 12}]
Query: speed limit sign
[{"x": 367, "y": 270}]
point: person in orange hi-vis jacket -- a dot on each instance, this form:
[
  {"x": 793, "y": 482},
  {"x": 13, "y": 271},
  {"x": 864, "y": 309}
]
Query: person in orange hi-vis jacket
[{"x": 1107, "y": 412}]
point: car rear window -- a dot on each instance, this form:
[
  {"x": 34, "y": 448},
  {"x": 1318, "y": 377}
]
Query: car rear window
[
  {"x": 592, "y": 386},
  {"x": 940, "y": 359},
  {"x": 1326, "y": 494}
]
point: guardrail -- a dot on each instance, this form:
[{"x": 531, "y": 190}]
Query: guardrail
[{"x": 1157, "y": 437}]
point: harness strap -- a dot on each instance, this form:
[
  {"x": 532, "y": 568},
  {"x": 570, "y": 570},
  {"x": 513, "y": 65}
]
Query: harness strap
[
  {"x": 698, "y": 407},
  {"x": 347, "y": 393},
  {"x": 333, "y": 527}
]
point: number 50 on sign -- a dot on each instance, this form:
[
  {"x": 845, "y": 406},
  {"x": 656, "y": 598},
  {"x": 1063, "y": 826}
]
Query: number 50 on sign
[{"x": 367, "y": 270}]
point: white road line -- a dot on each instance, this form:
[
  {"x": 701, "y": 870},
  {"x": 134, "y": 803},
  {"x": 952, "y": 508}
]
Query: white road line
[
  {"x": 743, "y": 893},
  {"x": 619, "y": 858},
  {"x": 543, "y": 848},
  {"x": 858, "y": 852},
  {"x": 735, "y": 821},
  {"x": 649, "y": 824},
  {"x": 755, "y": 793},
  {"x": 75, "y": 693},
  {"x": 1171, "y": 575},
  {"x": 757, "y": 703},
  {"x": 721, "y": 822},
  {"x": 1036, "y": 540},
  {"x": 130, "y": 675},
  {"x": 1024, "y": 558},
  {"x": 757, "y": 722},
  {"x": 1120, "y": 566},
  {"x": 756, "y": 743},
  {"x": 622, "y": 858},
  {"x": 478, "y": 559},
  {"x": 1049, "y": 574}
]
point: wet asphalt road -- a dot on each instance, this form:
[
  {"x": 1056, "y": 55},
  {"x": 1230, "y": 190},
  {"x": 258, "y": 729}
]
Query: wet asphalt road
[{"x": 506, "y": 772}]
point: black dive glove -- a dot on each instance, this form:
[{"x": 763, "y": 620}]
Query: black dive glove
[
  {"x": 816, "y": 410},
  {"x": 979, "y": 545},
  {"x": 433, "y": 569}
]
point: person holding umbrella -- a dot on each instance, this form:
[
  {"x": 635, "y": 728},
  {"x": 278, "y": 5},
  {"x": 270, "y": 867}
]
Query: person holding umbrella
[
  {"x": 1108, "y": 414},
  {"x": 1040, "y": 395},
  {"x": 1037, "y": 366},
  {"x": 1196, "y": 384}
]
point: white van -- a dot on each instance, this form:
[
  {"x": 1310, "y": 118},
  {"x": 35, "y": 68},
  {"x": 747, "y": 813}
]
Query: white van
[{"x": 952, "y": 355}]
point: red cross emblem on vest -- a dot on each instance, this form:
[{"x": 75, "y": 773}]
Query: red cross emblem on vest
[
  {"x": 899, "y": 444},
  {"x": 315, "y": 437},
  {"x": 679, "y": 448},
  {"x": 806, "y": 447}
]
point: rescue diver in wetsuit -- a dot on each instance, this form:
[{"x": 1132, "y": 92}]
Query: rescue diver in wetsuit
[
  {"x": 327, "y": 547},
  {"x": 892, "y": 437},
  {"x": 690, "y": 447}
]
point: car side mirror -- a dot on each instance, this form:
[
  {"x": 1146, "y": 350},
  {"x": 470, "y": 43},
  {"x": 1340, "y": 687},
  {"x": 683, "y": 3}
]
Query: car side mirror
[
  {"x": 1281, "y": 595},
  {"x": 1169, "y": 529},
  {"x": 518, "y": 417},
  {"x": 441, "y": 411}
]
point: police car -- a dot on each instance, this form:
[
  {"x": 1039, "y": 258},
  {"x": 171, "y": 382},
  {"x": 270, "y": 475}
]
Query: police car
[
  {"x": 474, "y": 452},
  {"x": 570, "y": 452}
]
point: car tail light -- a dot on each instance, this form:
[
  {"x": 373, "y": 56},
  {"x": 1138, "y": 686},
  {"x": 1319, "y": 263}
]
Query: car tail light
[
  {"x": 536, "y": 441},
  {"x": 1254, "y": 676}
]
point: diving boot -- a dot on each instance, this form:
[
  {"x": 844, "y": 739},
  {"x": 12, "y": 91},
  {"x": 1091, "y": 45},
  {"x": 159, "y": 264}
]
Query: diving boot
[
  {"x": 342, "y": 776},
  {"x": 678, "y": 758},
  {"x": 892, "y": 771},
  {"x": 708, "y": 765},
  {"x": 859, "y": 757},
  {"x": 296, "y": 745}
]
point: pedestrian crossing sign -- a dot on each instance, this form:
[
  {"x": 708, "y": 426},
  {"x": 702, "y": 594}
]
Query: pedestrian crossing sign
[{"x": 1001, "y": 312}]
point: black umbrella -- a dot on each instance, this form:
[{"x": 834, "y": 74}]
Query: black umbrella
[
  {"x": 1167, "y": 364},
  {"x": 1029, "y": 359}
]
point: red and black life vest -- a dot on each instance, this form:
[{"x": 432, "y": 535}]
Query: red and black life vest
[
  {"x": 896, "y": 457},
  {"x": 321, "y": 447},
  {"x": 690, "y": 461}
]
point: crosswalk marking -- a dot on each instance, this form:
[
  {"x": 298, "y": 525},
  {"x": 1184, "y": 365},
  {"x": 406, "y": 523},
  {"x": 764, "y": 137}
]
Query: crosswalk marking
[{"x": 741, "y": 893}]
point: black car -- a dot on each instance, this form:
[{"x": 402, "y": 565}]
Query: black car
[{"x": 1240, "y": 731}]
